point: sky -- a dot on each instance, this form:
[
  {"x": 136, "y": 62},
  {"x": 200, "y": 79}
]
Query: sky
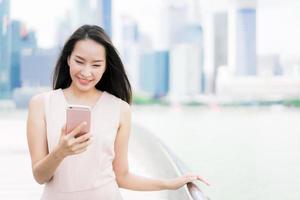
[
  {"x": 41, "y": 16},
  {"x": 278, "y": 27}
]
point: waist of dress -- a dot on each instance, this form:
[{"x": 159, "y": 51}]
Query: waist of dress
[
  {"x": 62, "y": 188},
  {"x": 106, "y": 190}
]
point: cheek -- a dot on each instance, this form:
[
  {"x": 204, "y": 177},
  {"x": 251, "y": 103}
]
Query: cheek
[
  {"x": 74, "y": 68},
  {"x": 100, "y": 71},
  {"x": 73, "y": 72},
  {"x": 99, "y": 74}
]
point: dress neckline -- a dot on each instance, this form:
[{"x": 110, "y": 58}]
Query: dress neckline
[{"x": 92, "y": 107}]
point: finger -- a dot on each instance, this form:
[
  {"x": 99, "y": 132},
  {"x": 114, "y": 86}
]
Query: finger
[
  {"x": 71, "y": 140},
  {"x": 190, "y": 178},
  {"x": 203, "y": 180},
  {"x": 77, "y": 130},
  {"x": 185, "y": 179},
  {"x": 80, "y": 151},
  {"x": 82, "y": 145},
  {"x": 64, "y": 129},
  {"x": 83, "y": 138}
]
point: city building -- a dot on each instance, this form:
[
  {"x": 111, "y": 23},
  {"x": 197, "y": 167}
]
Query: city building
[
  {"x": 21, "y": 40},
  {"x": 242, "y": 37},
  {"x": 220, "y": 43},
  {"x": 185, "y": 71},
  {"x": 5, "y": 49},
  {"x": 154, "y": 73},
  {"x": 97, "y": 12},
  {"x": 63, "y": 29},
  {"x": 37, "y": 67},
  {"x": 130, "y": 50},
  {"x": 16, "y": 47},
  {"x": 269, "y": 65},
  {"x": 174, "y": 18}
]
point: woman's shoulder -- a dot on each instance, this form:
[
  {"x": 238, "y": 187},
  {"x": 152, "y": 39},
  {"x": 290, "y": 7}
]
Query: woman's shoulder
[
  {"x": 124, "y": 104},
  {"x": 37, "y": 100},
  {"x": 125, "y": 112}
]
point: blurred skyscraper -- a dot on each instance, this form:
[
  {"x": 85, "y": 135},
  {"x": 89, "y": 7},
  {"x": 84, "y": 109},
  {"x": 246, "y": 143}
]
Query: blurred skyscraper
[
  {"x": 154, "y": 73},
  {"x": 185, "y": 41},
  {"x": 64, "y": 29},
  {"x": 29, "y": 41},
  {"x": 185, "y": 71},
  {"x": 242, "y": 37},
  {"x": 130, "y": 49},
  {"x": 15, "y": 76},
  {"x": 37, "y": 67},
  {"x": 220, "y": 43},
  {"x": 269, "y": 65},
  {"x": 97, "y": 12},
  {"x": 5, "y": 49},
  {"x": 174, "y": 18},
  {"x": 22, "y": 41},
  {"x": 194, "y": 38},
  {"x": 107, "y": 16}
]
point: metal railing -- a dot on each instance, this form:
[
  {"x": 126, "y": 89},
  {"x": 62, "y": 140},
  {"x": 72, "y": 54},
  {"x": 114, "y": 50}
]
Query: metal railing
[{"x": 194, "y": 190}]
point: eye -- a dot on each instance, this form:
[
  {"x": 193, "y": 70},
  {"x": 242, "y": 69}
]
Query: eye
[
  {"x": 78, "y": 61},
  {"x": 97, "y": 65}
]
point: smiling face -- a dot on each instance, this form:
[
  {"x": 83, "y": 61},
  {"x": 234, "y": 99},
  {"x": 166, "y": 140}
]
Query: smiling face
[{"x": 87, "y": 64}]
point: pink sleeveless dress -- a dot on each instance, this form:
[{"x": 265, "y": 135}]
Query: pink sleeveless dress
[{"x": 89, "y": 175}]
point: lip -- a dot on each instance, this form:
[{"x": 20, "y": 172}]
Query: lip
[{"x": 83, "y": 81}]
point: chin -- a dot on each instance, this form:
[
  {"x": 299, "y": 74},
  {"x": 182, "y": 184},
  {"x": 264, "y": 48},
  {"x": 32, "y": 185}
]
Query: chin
[{"x": 84, "y": 88}]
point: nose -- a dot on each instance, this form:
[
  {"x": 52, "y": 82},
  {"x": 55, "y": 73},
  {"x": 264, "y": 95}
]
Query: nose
[{"x": 85, "y": 72}]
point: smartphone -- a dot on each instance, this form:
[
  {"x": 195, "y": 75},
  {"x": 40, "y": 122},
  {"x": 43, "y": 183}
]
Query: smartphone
[{"x": 77, "y": 114}]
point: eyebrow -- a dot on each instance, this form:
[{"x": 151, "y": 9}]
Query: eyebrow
[{"x": 84, "y": 59}]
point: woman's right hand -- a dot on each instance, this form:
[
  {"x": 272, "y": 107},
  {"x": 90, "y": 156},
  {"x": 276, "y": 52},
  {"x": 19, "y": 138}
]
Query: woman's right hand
[{"x": 69, "y": 145}]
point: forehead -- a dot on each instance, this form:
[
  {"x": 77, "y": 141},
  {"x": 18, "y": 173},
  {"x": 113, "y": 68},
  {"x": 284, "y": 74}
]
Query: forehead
[{"x": 89, "y": 49}]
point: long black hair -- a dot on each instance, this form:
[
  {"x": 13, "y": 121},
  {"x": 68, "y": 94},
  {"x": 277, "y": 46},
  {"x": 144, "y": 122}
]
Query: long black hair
[{"x": 114, "y": 80}]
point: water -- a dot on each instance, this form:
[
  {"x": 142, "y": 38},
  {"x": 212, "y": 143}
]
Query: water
[{"x": 245, "y": 153}]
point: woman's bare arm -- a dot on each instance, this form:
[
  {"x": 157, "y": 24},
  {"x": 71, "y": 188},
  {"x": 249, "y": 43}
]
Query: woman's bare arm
[
  {"x": 44, "y": 163},
  {"x": 128, "y": 180}
]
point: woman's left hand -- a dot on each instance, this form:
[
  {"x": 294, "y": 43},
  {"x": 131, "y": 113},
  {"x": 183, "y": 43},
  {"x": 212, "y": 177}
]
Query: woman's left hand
[{"x": 178, "y": 182}]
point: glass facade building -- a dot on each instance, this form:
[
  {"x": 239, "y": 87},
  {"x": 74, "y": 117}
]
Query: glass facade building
[{"x": 5, "y": 49}]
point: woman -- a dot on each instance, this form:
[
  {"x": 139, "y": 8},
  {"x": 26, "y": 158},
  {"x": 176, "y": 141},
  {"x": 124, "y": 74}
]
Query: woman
[{"x": 93, "y": 165}]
